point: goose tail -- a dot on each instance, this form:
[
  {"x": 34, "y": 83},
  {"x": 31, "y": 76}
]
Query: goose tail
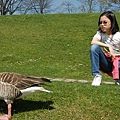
[
  {"x": 45, "y": 79},
  {"x": 41, "y": 80}
]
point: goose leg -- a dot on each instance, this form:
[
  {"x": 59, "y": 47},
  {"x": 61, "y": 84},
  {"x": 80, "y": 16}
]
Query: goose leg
[
  {"x": 9, "y": 110},
  {"x": 8, "y": 116}
]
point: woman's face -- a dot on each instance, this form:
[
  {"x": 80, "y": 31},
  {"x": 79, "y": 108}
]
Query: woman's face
[{"x": 105, "y": 25}]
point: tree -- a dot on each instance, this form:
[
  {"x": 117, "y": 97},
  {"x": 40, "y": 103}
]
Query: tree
[
  {"x": 113, "y": 5},
  {"x": 36, "y": 6},
  {"x": 9, "y": 6},
  {"x": 69, "y": 6},
  {"x": 66, "y": 7},
  {"x": 99, "y": 5},
  {"x": 87, "y": 5}
]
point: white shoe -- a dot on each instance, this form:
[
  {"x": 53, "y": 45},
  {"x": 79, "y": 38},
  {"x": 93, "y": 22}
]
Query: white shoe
[
  {"x": 97, "y": 80},
  {"x": 117, "y": 82}
]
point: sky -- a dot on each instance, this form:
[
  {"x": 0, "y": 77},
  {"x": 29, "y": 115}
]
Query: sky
[{"x": 57, "y": 3}]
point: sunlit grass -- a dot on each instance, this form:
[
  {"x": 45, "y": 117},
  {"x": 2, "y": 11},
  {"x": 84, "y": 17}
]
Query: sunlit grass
[
  {"x": 56, "y": 46},
  {"x": 47, "y": 45},
  {"x": 70, "y": 101}
]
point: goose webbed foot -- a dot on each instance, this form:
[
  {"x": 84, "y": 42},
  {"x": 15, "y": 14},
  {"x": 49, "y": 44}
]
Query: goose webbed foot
[{"x": 7, "y": 116}]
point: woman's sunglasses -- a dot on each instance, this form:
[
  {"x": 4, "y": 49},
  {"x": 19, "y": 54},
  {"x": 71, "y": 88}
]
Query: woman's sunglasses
[{"x": 104, "y": 22}]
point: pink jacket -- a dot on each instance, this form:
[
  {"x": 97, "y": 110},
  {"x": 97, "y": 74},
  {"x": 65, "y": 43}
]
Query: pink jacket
[{"x": 115, "y": 69}]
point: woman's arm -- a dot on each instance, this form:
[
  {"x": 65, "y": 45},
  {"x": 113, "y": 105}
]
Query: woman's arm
[{"x": 96, "y": 41}]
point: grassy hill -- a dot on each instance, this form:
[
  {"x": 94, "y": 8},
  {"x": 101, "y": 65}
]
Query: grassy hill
[
  {"x": 48, "y": 45},
  {"x": 56, "y": 46}
]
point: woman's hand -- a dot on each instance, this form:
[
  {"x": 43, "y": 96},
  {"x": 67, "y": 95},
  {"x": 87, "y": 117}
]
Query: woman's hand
[{"x": 111, "y": 51}]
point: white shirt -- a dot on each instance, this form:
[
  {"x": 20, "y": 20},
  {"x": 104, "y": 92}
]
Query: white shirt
[{"x": 113, "y": 40}]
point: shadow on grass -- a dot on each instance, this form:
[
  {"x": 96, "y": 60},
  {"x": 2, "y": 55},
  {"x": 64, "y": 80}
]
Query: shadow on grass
[{"x": 26, "y": 105}]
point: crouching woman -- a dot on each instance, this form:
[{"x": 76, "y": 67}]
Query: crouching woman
[{"x": 105, "y": 48}]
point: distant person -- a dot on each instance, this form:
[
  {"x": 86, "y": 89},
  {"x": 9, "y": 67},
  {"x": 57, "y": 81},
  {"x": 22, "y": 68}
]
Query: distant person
[{"x": 105, "y": 47}]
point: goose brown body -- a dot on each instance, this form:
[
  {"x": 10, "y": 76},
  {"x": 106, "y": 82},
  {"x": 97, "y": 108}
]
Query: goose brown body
[
  {"x": 11, "y": 85},
  {"x": 9, "y": 92}
]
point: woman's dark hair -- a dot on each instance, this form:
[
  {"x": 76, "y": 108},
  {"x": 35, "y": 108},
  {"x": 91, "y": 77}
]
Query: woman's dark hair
[{"x": 111, "y": 16}]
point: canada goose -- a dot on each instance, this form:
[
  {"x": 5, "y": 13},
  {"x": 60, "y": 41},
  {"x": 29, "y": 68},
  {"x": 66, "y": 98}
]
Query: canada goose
[{"x": 14, "y": 86}]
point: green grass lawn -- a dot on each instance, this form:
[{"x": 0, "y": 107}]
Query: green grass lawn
[
  {"x": 70, "y": 101},
  {"x": 47, "y": 45},
  {"x": 56, "y": 46}
]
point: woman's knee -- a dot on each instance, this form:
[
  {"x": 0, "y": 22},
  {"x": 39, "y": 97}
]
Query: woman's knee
[{"x": 94, "y": 47}]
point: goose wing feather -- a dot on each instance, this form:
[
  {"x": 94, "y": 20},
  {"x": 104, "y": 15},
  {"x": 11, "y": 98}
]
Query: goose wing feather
[{"x": 21, "y": 81}]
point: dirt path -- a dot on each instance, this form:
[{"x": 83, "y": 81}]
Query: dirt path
[{"x": 81, "y": 81}]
